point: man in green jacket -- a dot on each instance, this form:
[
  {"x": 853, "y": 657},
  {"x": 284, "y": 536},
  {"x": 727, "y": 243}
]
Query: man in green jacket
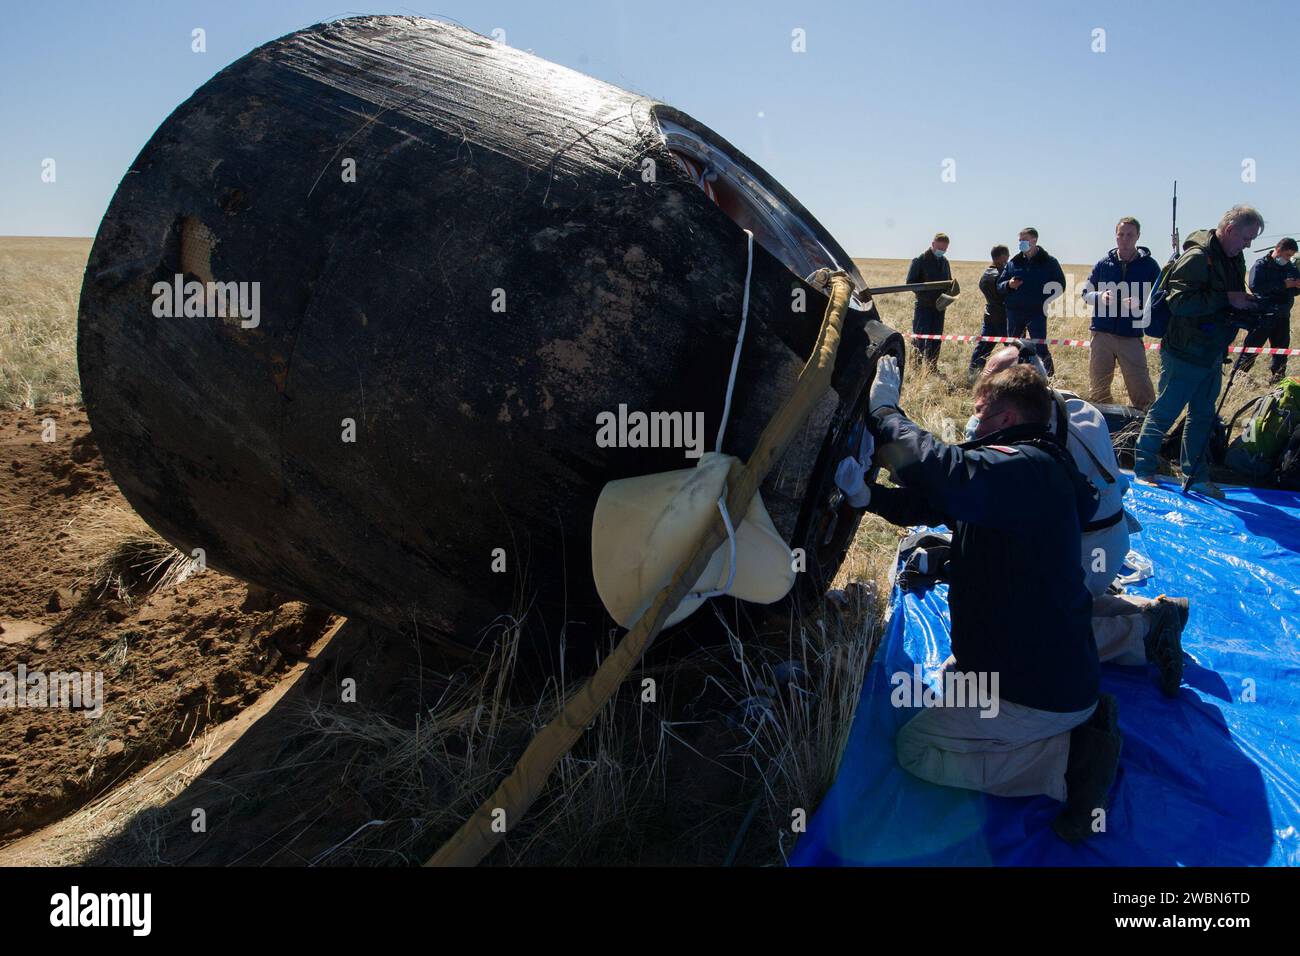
[{"x": 1207, "y": 282}]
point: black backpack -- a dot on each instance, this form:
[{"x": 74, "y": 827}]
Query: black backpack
[
  {"x": 1217, "y": 451},
  {"x": 1158, "y": 306},
  {"x": 1288, "y": 469}
]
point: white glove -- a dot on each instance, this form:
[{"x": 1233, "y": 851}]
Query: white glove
[
  {"x": 886, "y": 385},
  {"x": 867, "y": 448},
  {"x": 850, "y": 478}
]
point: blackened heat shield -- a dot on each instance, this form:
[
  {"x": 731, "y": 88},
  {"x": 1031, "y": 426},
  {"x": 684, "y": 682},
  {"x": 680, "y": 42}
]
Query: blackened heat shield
[{"x": 461, "y": 256}]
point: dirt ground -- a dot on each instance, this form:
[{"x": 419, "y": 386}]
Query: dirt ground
[
  {"x": 172, "y": 662},
  {"x": 223, "y": 698}
]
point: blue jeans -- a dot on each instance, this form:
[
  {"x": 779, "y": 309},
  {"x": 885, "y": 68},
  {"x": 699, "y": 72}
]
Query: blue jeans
[
  {"x": 1182, "y": 385},
  {"x": 1033, "y": 326}
]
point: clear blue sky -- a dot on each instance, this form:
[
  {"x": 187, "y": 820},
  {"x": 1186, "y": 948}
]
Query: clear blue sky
[{"x": 1042, "y": 130}]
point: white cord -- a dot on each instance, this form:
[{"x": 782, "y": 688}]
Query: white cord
[
  {"x": 731, "y": 538},
  {"x": 726, "y": 413},
  {"x": 740, "y": 341}
]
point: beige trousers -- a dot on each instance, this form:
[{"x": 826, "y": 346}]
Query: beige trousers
[
  {"x": 1020, "y": 752},
  {"x": 1103, "y": 553},
  {"x": 1118, "y": 625},
  {"x": 1106, "y": 350},
  {"x": 1120, "y": 628}
]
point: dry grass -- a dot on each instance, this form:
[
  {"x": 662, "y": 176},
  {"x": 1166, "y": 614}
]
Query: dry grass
[
  {"x": 121, "y": 555},
  {"x": 618, "y": 796},
  {"x": 635, "y": 790},
  {"x": 40, "y": 283},
  {"x": 133, "y": 807}
]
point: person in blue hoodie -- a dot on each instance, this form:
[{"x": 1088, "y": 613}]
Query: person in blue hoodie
[
  {"x": 1117, "y": 290},
  {"x": 1031, "y": 281}
]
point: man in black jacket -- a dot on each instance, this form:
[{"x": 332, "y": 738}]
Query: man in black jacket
[
  {"x": 1021, "y": 613},
  {"x": 1032, "y": 280},
  {"x": 1274, "y": 280},
  {"x": 927, "y": 317},
  {"x": 995, "y": 310}
]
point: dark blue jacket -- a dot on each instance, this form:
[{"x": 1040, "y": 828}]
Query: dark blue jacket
[
  {"x": 1040, "y": 272},
  {"x": 1133, "y": 279},
  {"x": 1268, "y": 282},
  {"x": 1016, "y": 503},
  {"x": 927, "y": 267}
]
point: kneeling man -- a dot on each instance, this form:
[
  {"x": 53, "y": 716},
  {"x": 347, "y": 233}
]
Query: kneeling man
[
  {"x": 1016, "y": 504},
  {"x": 1129, "y": 629}
]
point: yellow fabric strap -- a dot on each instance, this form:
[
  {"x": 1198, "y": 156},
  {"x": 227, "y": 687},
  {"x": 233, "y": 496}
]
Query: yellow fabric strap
[{"x": 477, "y": 837}]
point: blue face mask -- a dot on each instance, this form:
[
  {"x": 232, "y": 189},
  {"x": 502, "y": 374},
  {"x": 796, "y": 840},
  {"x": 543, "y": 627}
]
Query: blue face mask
[
  {"x": 1024, "y": 245},
  {"x": 1280, "y": 261},
  {"x": 972, "y": 426},
  {"x": 940, "y": 253}
]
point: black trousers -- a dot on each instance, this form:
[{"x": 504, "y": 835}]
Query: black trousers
[
  {"x": 1032, "y": 326},
  {"x": 993, "y": 325},
  {"x": 929, "y": 321},
  {"x": 1277, "y": 335}
]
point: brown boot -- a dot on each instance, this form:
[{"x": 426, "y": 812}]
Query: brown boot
[
  {"x": 1094, "y": 760},
  {"x": 1164, "y": 641}
]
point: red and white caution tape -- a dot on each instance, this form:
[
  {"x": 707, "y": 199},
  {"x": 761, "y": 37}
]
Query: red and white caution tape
[{"x": 1082, "y": 343}]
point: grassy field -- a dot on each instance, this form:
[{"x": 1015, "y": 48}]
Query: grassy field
[{"x": 40, "y": 282}]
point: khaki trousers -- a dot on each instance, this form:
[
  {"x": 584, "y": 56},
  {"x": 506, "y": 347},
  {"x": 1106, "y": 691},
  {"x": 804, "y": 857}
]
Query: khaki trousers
[
  {"x": 1103, "y": 553},
  {"x": 1118, "y": 624},
  {"x": 1106, "y": 350},
  {"x": 1120, "y": 628},
  {"x": 1020, "y": 752}
]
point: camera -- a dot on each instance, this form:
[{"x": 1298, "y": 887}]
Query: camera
[{"x": 1253, "y": 318}]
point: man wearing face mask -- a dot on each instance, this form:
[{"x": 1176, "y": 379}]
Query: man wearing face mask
[
  {"x": 927, "y": 318},
  {"x": 1015, "y": 502},
  {"x": 1274, "y": 280},
  {"x": 1129, "y": 630},
  {"x": 1206, "y": 296},
  {"x": 1031, "y": 281}
]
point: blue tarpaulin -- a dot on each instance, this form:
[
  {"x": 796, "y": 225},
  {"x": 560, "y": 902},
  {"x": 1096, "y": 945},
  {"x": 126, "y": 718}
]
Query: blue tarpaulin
[{"x": 1209, "y": 778}]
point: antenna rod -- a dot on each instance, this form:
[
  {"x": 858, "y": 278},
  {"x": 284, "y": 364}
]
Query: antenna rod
[{"x": 1173, "y": 236}]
